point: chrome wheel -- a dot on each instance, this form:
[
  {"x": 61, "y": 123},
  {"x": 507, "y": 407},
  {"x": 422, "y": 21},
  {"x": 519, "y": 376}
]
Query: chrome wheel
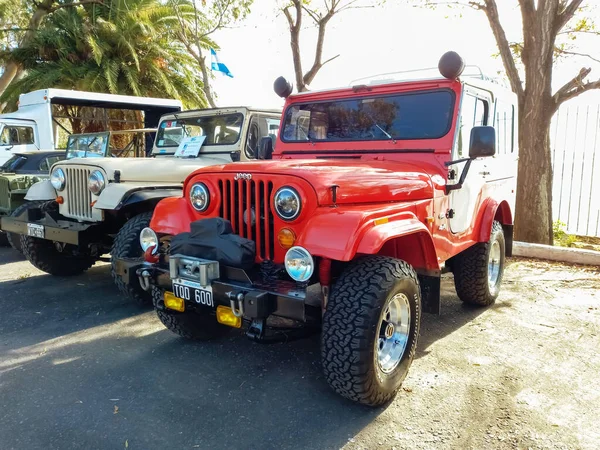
[
  {"x": 394, "y": 328},
  {"x": 494, "y": 262}
]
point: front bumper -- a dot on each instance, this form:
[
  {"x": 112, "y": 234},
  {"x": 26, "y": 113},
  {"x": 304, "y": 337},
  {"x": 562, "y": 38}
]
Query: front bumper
[
  {"x": 55, "y": 229},
  {"x": 231, "y": 287}
]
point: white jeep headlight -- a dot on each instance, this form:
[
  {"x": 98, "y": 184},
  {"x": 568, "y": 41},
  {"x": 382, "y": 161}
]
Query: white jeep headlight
[
  {"x": 287, "y": 203},
  {"x": 148, "y": 238},
  {"x": 96, "y": 182},
  {"x": 199, "y": 197},
  {"x": 58, "y": 179},
  {"x": 299, "y": 264}
]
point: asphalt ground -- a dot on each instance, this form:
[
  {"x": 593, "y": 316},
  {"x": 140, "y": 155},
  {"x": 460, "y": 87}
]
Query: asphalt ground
[{"x": 81, "y": 367}]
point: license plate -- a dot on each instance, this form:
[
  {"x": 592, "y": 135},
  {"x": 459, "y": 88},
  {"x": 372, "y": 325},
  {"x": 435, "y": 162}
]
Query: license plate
[
  {"x": 193, "y": 292},
  {"x": 35, "y": 230}
]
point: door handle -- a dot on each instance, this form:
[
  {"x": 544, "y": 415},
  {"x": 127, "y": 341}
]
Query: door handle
[{"x": 484, "y": 173}]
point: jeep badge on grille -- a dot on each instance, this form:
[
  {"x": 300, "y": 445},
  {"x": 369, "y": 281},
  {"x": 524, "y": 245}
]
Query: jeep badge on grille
[{"x": 243, "y": 176}]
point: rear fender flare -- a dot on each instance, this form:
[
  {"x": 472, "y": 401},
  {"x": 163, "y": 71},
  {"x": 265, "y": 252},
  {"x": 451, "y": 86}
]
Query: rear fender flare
[
  {"x": 42, "y": 190},
  {"x": 491, "y": 211}
]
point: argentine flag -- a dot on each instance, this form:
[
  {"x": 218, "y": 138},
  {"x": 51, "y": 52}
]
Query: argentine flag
[{"x": 217, "y": 65}]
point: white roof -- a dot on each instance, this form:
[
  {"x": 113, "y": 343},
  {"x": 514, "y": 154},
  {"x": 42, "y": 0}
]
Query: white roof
[{"x": 82, "y": 98}]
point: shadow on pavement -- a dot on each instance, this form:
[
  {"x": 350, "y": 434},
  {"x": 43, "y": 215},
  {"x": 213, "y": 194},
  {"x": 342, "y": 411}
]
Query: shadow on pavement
[{"x": 9, "y": 255}]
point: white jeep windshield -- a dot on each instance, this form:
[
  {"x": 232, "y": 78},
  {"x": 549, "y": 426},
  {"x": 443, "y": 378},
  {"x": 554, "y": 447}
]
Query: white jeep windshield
[{"x": 219, "y": 130}]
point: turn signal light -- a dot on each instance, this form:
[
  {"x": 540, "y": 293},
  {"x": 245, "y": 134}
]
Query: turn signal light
[
  {"x": 173, "y": 302},
  {"x": 60, "y": 200},
  {"x": 286, "y": 238},
  {"x": 226, "y": 317}
]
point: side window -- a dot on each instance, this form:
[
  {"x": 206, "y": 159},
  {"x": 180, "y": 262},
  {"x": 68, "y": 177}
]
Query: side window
[
  {"x": 272, "y": 126},
  {"x": 16, "y": 135},
  {"x": 504, "y": 123},
  {"x": 252, "y": 138},
  {"x": 474, "y": 112},
  {"x": 44, "y": 166}
]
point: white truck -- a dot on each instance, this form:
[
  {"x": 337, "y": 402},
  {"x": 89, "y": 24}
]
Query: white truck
[
  {"x": 35, "y": 125},
  {"x": 93, "y": 206}
]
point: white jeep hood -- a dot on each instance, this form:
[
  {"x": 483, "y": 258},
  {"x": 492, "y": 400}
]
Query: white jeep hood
[{"x": 149, "y": 170}]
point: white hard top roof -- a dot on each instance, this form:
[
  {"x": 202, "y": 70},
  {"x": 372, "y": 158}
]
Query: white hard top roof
[{"x": 82, "y": 98}]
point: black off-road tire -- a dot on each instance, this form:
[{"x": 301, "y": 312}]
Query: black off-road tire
[
  {"x": 188, "y": 324},
  {"x": 471, "y": 270},
  {"x": 44, "y": 255},
  {"x": 4, "y": 239},
  {"x": 351, "y": 329},
  {"x": 14, "y": 239},
  {"x": 127, "y": 245}
]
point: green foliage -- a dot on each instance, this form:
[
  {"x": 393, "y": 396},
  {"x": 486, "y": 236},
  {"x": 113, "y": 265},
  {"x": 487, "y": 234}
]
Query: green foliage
[
  {"x": 118, "y": 47},
  {"x": 561, "y": 237}
]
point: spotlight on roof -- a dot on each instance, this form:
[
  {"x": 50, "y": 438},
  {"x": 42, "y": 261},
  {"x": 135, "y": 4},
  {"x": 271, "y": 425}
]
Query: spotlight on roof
[
  {"x": 451, "y": 65},
  {"x": 283, "y": 87}
]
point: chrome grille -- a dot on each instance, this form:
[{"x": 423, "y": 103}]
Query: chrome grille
[
  {"x": 240, "y": 200},
  {"x": 4, "y": 193},
  {"x": 79, "y": 198}
]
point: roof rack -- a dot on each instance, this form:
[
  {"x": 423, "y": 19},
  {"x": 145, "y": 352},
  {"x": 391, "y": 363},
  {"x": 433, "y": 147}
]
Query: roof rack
[{"x": 427, "y": 73}]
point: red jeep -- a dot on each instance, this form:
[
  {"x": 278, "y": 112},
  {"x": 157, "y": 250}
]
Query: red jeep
[{"x": 371, "y": 193}]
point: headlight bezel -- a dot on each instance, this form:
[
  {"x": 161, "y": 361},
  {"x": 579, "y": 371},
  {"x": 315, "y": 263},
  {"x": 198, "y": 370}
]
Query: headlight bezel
[
  {"x": 100, "y": 180},
  {"x": 62, "y": 178},
  {"x": 296, "y": 196},
  {"x": 151, "y": 240},
  {"x": 302, "y": 254},
  {"x": 204, "y": 188}
]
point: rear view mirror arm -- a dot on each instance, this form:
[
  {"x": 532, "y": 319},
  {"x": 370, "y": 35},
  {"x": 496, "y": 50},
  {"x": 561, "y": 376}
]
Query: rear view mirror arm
[{"x": 463, "y": 174}]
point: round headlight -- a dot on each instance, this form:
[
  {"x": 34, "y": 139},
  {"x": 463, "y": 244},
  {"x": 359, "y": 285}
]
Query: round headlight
[
  {"x": 299, "y": 264},
  {"x": 199, "y": 196},
  {"x": 58, "y": 179},
  {"x": 148, "y": 239},
  {"x": 96, "y": 182},
  {"x": 287, "y": 203}
]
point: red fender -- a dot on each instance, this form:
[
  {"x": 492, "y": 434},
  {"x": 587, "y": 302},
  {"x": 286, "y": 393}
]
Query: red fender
[
  {"x": 492, "y": 210},
  {"x": 172, "y": 216}
]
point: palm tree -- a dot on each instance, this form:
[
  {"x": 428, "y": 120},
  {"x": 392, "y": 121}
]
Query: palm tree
[{"x": 121, "y": 47}]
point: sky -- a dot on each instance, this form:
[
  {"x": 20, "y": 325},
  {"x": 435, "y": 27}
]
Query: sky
[{"x": 390, "y": 38}]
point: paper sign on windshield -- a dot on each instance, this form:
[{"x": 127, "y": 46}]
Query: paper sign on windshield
[{"x": 190, "y": 147}]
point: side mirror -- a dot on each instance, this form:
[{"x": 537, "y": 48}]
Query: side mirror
[
  {"x": 265, "y": 148},
  {"x": 483, "y": 142}
]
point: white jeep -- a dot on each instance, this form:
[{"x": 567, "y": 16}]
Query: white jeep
[{"x": 93, "y": 206}]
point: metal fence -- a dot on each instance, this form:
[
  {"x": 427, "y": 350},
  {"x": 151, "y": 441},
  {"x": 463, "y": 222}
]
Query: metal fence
[{"x": 575, "y": 137}]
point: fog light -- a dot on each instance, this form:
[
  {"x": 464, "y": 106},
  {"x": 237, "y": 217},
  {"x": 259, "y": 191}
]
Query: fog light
[
  {"x": 173, "y": 302},
  {"x": 299, "y": 264},
  {"x": 226, "y": 317},
  {"x": 286, "y": 238}
]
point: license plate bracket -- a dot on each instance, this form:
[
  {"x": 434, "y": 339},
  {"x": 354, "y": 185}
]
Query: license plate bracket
[
  {"x": 35, "y": 230},
  {"x": 193, "y": 292}
]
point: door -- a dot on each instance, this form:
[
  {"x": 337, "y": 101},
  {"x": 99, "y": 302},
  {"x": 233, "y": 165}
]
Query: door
[
  {"x": 16, "y": 138},
  {"x": 475, "y": 111}
]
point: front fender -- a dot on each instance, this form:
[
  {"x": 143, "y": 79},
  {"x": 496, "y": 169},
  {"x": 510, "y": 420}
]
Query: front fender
[
  {"x": 117, "y": 195},
  {"x": 42, "y": 190},
  {"x": 341, "y": 234},
  {"x": 172, "y": 216}
]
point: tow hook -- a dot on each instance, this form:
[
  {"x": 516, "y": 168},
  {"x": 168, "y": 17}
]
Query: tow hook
[
  {"x": 236, "y": 297},
  {"x": 144, "y": 278}
]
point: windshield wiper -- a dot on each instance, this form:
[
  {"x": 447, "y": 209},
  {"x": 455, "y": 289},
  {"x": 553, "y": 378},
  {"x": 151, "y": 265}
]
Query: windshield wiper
[{"x": 388, "y": 135}]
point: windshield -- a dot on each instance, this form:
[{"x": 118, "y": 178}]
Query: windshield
[
  {"x": 416, "y": 115},
  {"x": 219, "y": 130},
  {"x": 13, "y": 164},
  {"x": 93, "y": 145}
]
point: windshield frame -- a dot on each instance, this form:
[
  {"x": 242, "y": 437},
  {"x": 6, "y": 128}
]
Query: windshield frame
[
  {"x": 448, "y": 128},
  {"x": 178, "y": 117}
]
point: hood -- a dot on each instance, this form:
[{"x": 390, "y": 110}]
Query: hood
[
  {"x": 358, "y": 181},
  {"x": 160, "y": 169}
]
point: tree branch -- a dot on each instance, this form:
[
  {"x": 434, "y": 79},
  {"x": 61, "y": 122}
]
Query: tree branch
[
  {"x": 491, "y": 11},
  {"x": 568, "y": 52},
  {"x": 574, "y": 88},
  {"x": 567, "y": 14}
]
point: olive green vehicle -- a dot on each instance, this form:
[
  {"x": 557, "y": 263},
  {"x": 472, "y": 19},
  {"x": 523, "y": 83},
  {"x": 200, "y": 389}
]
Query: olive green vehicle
[{"x": 16, "y": 176}]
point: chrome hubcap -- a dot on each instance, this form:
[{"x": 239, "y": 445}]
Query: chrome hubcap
[
  {"x": 494, "y": 261},
  {"x": 393, "y": 331}
]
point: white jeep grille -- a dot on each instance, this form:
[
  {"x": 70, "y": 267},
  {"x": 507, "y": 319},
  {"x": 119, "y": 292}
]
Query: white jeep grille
[{"x": 77, "y": 198}]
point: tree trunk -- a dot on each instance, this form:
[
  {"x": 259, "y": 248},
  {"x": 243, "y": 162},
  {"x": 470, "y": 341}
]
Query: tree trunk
[{"x": 533, "y": 215}]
